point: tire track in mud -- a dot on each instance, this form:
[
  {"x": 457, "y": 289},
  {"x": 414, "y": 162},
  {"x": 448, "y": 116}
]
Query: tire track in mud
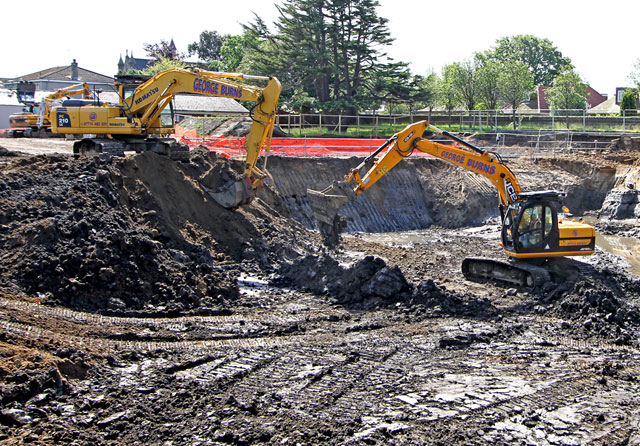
[
  {"x": 97, "y": 319},
  {"x": 389, "y": 379},
  {"x": 378, "y": 381}
]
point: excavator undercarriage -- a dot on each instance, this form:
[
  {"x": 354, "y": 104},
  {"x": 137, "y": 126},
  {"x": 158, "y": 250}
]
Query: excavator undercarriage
[
  {"x": 516, "y": 272},
  {"x": 175, "y": 150}
]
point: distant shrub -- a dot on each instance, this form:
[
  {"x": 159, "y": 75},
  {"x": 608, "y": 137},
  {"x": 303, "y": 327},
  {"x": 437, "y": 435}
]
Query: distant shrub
[{"x": 629, "y": 103}]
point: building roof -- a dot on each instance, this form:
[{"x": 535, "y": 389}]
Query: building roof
[
  {"x": 64, "y": 73},
  {"x": 607, "y": 107}
]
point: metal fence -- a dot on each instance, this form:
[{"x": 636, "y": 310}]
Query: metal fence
[{"x": 476, "y": 121}]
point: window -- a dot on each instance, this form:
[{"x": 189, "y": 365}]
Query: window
[
  {"x": 535, "y": 225},
  {"x": 128, "y": 91}
]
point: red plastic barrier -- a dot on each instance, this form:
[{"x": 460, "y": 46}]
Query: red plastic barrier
[{"x": 293, "y": 146}]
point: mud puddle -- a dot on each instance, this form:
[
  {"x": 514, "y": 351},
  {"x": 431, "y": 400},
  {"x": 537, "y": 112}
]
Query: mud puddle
[{"x": 625, "y": 247}]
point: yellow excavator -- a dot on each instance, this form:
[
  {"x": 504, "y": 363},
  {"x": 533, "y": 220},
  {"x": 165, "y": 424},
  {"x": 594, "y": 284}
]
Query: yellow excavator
[
  {"x": 24, "y": 123},
  {"x": 144, "y": 117},
  {"x": 35, "y": 119},
  {"x": 532, "y": 229}
]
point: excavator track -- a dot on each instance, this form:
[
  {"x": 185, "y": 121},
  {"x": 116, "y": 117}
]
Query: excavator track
[
  {"x": 516, "y": 273},
  {"x": 164, "y": 146}
]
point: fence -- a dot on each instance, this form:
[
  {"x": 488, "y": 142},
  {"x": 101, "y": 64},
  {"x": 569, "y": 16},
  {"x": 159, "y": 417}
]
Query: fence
[
  {"x": 477, "y": 121},
  {"x": 461, "y": 121},
  {"x": 507, "y": 144}
]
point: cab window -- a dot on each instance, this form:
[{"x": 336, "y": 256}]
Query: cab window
[
  {"x": 535, "y": 225},
  {"x": 127, "y": 91}
]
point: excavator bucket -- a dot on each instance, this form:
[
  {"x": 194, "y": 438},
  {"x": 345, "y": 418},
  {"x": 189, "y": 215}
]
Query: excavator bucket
[
  {"x": 232, "y": 194},
  {"x": 326, "y": 203}
]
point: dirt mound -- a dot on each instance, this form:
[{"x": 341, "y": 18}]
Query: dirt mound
[
  {"x": 605, "y": 302},
  {"x": 223, "y": 126},
  {"x": 8, "y": 153},
  {"x": 131, "y": 235},
  {"x": 625, "y": 143},
  {"x": 369, "y": 281}
]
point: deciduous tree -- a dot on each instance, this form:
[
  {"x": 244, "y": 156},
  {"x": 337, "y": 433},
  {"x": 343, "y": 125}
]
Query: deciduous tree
[
  {"x": 568, "y": 92},
  {"x": 542, "y": 57},
  {"x": 488, "y": 74},
  {"x": 515, "y": 83},
  {"x": 208, "y": 47},
  {"x": 163, "y": 64},
  {"x": 634, "y": 76},
  {"x": 163, "y": 50},
  {"x": 629, "y": 104},
  {"x": 447, "y": 94},
  {"x": 465, "y": 80}
]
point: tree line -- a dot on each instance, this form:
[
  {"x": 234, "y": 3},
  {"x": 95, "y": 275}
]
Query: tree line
[{"x": 330, "y": 56}]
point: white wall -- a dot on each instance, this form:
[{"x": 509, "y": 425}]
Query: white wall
[{"x": 5, "y": 111}]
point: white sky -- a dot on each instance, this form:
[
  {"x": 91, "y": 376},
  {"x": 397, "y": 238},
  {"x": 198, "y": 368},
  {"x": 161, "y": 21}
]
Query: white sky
[{"x": 600, "y": 38}]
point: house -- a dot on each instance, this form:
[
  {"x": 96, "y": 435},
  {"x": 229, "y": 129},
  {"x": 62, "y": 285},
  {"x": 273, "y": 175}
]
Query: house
[
  {"x": 541, "y": 104},
  {"x": 55, "y": 78},
  {"x": 35, "y": 86},
  {"x": 608, "y": 107}
]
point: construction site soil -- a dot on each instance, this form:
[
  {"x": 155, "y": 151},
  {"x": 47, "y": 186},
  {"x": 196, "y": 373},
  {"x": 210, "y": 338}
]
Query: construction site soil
[{"x": 136, "y": 310}]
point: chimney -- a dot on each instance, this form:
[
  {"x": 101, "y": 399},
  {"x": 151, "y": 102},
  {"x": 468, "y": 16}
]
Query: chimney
[{"x": 74, "y": 70}]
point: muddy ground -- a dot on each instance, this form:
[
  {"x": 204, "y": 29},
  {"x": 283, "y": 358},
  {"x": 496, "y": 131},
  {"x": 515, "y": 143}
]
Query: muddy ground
[{"x": 135, "y": 310}]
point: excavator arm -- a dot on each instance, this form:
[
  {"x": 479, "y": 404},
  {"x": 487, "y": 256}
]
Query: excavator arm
[
  {"x": 151, "y": 97},
  {"x": 531, "y": 226},
  {"x": 468, "y": 156},
  {"x": 44, "y": 119},
  {"x": 326, "y": 203}
]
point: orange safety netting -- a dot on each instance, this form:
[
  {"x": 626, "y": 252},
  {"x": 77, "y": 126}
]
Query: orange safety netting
[{"x": 286, "y": 146}]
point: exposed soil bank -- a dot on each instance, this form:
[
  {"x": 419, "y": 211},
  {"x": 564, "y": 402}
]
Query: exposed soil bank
[{"x": 421, "y": 192}]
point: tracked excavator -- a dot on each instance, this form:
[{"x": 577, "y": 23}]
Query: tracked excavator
[
  {"x": 533, "y": 231},
  {"x": 143, "y": 119},
  {"x": 35, "y": 119}
]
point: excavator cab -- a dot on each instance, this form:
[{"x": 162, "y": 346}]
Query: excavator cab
[
  {"x": 530, "y": 225},
  {"x": 532, "y": 228}
]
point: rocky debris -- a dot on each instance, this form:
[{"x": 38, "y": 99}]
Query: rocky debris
[
  {"x": 436, "y": 300},
  {"x": 626, "y": 142},
  {"x": 368, "y": 281},
  {"x": 621, "y": 204},
  {"x": 607, "y": 306},
  {"x": 627, "y": 228}
]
